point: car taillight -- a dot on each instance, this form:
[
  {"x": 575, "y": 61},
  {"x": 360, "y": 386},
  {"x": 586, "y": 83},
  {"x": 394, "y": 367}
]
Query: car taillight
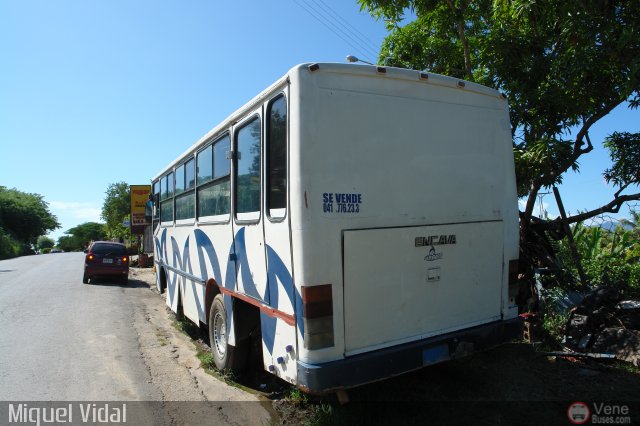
[
  {"x": 90, "y": 257},
  {"x": 124, "y": 259}
]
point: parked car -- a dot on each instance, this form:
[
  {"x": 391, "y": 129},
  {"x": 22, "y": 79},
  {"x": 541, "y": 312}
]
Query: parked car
[{"x": 106, "y": 258}]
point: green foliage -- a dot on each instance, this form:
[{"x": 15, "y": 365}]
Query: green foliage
[
  {"x": 554, "y": 321},
  {"x": 624, "y": 150},
  {"x": 296, "y": 396},
  {"x": 535, "y": 159},
  {"x": 9, "y": 247},
  {"x": 45, "y": 242},
  {"x": 609, "y": 258},
  {"x": 116, "y": 208},
  {"x": 207, "y": 360},
  {"x": 67, "y": 243},
  {"x": 79, "y": 237},
  {"x": 23, "y": 218}
]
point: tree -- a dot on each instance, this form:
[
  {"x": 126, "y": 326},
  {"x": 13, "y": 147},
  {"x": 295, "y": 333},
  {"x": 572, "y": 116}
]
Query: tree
[
  {"x": 23, "y": 218},
  {"x": 79, "y": 237},
  {"x": 563, "y": 65},
  {"x": 116, "y": 208},
  {"x": 45, "y": 242}
]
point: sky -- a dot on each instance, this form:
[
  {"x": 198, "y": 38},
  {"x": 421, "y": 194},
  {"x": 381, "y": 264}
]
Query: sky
[{"x": 98, "y": 92}]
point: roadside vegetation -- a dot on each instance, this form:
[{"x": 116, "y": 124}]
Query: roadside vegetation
[
  {"x": 116, "y": 208},
  {"x": 23, "y": 218},
  {"x": 79, "y": 237}
]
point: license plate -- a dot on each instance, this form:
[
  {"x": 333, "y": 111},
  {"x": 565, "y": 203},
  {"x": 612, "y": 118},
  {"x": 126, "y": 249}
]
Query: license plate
[
  {"x": 107, "y": 260},
  {"x": 435, "y": 355}
]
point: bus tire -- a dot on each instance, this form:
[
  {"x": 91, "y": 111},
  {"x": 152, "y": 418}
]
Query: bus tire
[{"x": 225, "y": 356}]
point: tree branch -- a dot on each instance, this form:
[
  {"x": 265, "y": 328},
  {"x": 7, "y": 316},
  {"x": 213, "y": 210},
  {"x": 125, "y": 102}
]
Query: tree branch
[
  {"x": 459, "y": 15},
  {"x": 528, "y": 209},
  {"x": 577, "y": 144},
  {"x": 611, "y": 207}
]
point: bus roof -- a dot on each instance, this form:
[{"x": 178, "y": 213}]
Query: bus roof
[{"x": 353, "y": 69}]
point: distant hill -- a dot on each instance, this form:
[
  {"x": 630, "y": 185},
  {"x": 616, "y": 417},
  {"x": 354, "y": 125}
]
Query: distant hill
[{"x": 612, "y": 225}]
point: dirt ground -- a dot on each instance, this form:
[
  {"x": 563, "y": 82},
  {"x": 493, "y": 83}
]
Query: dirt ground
[
  {"x": 511, "y": 384},
  {"x": 171, "y": 358},
  {"x": 515, "y": 383}
]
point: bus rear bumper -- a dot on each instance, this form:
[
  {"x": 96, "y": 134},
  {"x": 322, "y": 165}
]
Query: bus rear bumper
[{"x": 388, "y": 362}]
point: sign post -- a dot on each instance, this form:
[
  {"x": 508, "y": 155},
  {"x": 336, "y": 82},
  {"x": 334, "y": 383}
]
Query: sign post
[{"x": 139, "y": 198}]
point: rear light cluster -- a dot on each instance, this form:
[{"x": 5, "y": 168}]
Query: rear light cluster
[
  {"x": 121, "y": 260},
  {"x": 317, "y": 316}
]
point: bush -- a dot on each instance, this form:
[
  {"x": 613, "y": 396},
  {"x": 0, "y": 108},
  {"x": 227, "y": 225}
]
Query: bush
[
  {"x": 9, "y": 247},
  {"x": 614, "y": 272}
]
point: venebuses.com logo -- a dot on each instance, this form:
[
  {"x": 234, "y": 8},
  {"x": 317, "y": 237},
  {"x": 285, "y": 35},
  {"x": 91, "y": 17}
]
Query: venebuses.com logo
[{"x": 579, "y": 413}]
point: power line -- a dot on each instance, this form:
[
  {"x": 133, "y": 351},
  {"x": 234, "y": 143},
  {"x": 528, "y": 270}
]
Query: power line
[
  {"x": 347, "y": 25},
  {"x": 330, "y": 24}
]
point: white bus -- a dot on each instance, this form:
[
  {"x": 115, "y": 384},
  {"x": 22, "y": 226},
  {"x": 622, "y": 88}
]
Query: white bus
[{"x": 358, "y": 221}]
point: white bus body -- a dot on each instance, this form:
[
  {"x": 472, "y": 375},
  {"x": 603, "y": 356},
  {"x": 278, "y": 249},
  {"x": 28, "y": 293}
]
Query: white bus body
[{"x": 390, "y": 241}]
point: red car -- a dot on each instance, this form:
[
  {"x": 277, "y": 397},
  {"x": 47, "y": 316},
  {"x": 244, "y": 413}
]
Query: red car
[{"x": 105, "y": 258}]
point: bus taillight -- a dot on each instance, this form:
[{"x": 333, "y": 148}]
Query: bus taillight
[{"x": 317, "y": 316}]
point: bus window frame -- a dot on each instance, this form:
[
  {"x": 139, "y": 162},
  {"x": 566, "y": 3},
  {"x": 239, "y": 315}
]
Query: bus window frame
[
  {"x": 219, "y": 219},
  {"x": 167, "y": 224},
  {"x": 267, "y": 158},
  {"x": 185, "y": 192},
  {"x": 246, "y": 121}
]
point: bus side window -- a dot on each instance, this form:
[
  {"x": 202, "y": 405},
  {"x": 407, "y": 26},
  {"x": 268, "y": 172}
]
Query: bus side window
[
  {"x": 277, "y": 158},
  {"x": 166, "y": 204},
  {"x": 248, "y": 171},
  {"x": 213, "y": 177}
]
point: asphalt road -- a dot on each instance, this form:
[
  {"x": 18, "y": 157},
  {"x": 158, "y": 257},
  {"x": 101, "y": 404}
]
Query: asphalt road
[{"x": 62, "y": 340}]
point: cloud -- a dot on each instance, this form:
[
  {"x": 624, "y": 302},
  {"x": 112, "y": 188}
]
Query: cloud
[{"x": 88, "y": 212}]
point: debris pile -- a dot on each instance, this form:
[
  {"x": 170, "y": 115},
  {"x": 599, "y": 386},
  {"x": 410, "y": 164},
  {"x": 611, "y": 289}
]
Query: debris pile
[{"x": 604, "y": 324}]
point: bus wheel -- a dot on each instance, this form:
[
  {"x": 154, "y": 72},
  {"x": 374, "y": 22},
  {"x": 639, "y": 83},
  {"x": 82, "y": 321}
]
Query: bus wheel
[{"x": 226, "y": 357}]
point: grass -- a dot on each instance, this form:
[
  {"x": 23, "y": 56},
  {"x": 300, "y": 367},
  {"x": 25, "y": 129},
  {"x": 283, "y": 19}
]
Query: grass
[
  {"x": 187, "y": 327},
  {"x": 555, "y": 323},
  {"x": 626, "y": 366},
  {"x": 162, "y": 339},
  {"x": 206, "y": 360}
]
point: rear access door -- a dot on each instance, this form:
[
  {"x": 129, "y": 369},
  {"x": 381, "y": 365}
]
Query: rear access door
[{"x": 406, "y": 284}]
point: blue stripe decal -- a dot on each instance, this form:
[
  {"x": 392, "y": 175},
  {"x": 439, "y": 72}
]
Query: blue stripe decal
[
  {"x": 276, "y": 272},
  {"x": 204, "y": 244},
  {"x": 250, "y": 288}
]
